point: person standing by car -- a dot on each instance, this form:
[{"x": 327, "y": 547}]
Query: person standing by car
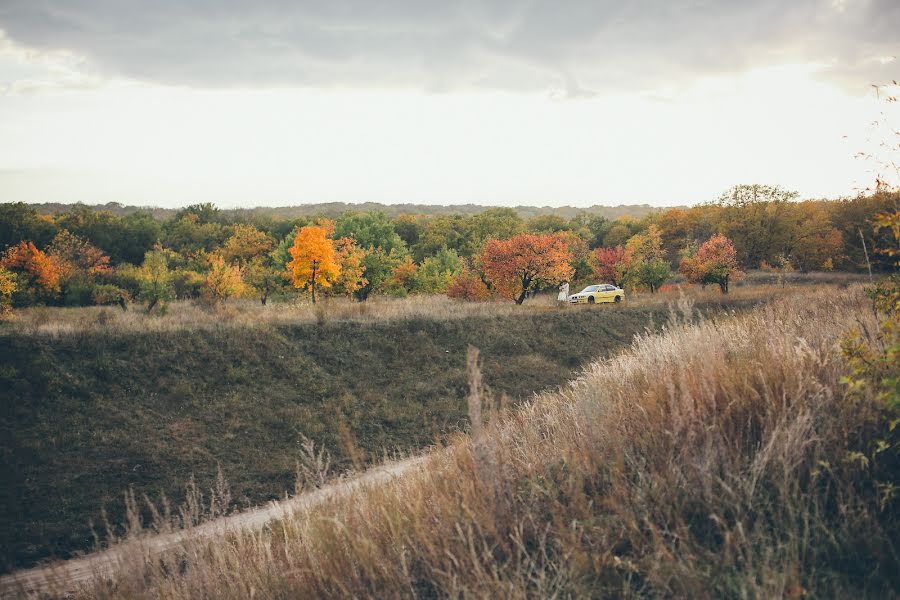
[{"x": 563, "y": 292}]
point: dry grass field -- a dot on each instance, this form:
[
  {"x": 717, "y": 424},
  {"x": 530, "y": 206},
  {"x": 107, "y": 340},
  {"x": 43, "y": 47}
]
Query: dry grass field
[{"x": 719, "y": 458}]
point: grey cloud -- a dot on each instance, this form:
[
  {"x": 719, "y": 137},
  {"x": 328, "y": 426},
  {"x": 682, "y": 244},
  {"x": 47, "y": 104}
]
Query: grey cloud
[{"x": 581, "y": 46}]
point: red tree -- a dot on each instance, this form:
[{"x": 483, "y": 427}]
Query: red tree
[
  {"x": 715, "y": 262},
  {"x": 610, "y": 264},
  {"x": 522, "y": 263}
]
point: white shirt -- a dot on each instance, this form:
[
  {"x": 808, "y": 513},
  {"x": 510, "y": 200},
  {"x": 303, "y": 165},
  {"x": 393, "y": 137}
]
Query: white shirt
[{"x": 563, "y": 293}]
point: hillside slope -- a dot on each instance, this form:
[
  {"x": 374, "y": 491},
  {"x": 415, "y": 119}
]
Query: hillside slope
[
  {"x": 719, "y": 460},
  {"x": 87, "y": 415}
]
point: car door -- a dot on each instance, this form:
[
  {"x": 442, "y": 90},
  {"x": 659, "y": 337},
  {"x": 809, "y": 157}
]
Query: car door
[{"x": 607, "y": 293}]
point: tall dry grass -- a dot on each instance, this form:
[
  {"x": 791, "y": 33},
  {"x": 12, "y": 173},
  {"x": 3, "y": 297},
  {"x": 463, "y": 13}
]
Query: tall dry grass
[{"x": 718, "y": 459}]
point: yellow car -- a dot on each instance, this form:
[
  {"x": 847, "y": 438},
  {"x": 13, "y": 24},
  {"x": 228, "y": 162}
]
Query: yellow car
[{"x": 598, "y": 293}]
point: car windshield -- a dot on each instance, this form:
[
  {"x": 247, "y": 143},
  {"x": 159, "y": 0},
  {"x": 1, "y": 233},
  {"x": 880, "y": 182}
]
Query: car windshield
[{"x": 591, "y": 288}]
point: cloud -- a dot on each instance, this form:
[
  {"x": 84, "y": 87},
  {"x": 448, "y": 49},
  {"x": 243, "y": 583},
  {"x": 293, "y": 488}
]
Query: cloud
[{"x": 581, "y": 47}]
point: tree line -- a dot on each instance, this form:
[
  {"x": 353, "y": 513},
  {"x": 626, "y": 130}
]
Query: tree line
[{"x": 87, "y": 256}]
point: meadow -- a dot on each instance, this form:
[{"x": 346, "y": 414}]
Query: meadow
[
  {"x": 99, "y": 401},
  {"x": 718, "y": 456},
  {"x": 102, "y": 401}
]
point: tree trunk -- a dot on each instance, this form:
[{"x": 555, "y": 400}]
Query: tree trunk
[
  {"x": 526, "y": 283},
  {"x": 723, "y": 284},
  {"x": 151, "y": 305},
  {"x": 313, "y": 280}
]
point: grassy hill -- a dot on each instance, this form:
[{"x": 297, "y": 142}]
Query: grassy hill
[
  {"x": 89, "y": 412},
  {"x": 721, "y": 459}
]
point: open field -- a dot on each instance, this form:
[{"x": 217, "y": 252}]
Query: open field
[
  {"x": 94, "y": 406},
  {"x": 184, "y": 315},
  {"x": 716, "y": 459}
]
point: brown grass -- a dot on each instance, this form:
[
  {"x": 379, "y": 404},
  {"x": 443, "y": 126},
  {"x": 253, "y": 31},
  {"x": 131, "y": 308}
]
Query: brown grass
[
  {"x": 188, "y": 315},
  {"x": 714, "y": 460}
]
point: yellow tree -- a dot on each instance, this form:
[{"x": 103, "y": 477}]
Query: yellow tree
[
  {"x": 349, "y": 257},
  {"x": 223, "y": 280},
  {"x": 314, "y": 259},
  {"x": 246, "y": 243},
  {"x": 7, "y": 287}
]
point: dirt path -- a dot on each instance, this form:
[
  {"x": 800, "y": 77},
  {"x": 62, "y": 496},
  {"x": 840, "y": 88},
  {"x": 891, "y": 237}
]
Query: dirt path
[{"x": 65, "y": 577}]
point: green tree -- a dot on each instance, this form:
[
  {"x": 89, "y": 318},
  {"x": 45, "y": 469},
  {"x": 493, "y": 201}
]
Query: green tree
[
  {"x": 21, "y": 223},
  {"x": 494, "y": 224},
  {"x": 155, "y": 279},
  {"x": 436, "y": 272},
  {"x": 371, "y": 230},
  {"x": 756, "y": 218}
]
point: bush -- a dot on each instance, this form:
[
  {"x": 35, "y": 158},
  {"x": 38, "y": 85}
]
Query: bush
[{"x": 468, "y": 286}]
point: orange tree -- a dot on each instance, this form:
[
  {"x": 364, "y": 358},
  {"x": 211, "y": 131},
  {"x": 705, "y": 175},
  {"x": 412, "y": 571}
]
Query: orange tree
[
  {"x": 314, "y": 259},
  {"x": 715, "y": 262},
  {"x": 524, "y": 262},
  {"x": 36, "y": 272},
  {"x": 467, "y": 285}
]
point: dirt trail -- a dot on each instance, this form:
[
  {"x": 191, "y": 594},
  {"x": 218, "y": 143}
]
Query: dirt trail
[{"x": 65, "y": 577}]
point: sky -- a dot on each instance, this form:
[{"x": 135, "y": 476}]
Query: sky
[{"x": 500, "y": 102}]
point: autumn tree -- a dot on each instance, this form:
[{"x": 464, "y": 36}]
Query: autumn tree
[
  {"x": 403, "y": 277},
  {"x": 350, "y": 259},
  {"x": 610, "y": 264},
  {"x": 715, "y": 262},
  {"x": 469, "y": 286},
  {"x": 314, "y": 261},
  {"x": 155, "y": 279},
  {"x": 7, "y": 287},
  {"x": 223, "y": 280},
  {"x": 36, "y": 272},
  {"x": 246, "y": 243},
  {"x": 647, "y": 264},
  {"x": 525, "y": 262}
]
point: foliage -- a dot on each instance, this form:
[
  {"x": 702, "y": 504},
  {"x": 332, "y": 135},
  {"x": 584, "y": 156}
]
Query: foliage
[
  {"x": 106, "y": 293},
  {"x": 766, "y": 225},
  {"x": 378, "y": 266},
  {"x": 715, "y": 262},
  {"x": 645, "y": 257},
  {"x": 370, "y": 231},
  {"x": 155, "y": 279},
  {"x": 469, "y": 286},
  {"x": 20, "y": 222},
  {"x": 7, "y": 287},
  {"x": 610, "y": 265},
  {"x": 436, "y": 272},
  {"x": 403, "y": 277},
  {"x": 314, "y": 261},
  {"x": 36, "y": 272},
  {"x": 245, "y": 244},
  {"x": 350, "y": 258},
  {"x": 516, "y": 266},
  {"x": 222, "y": 281},
  {"x": 262, "y": 276}
]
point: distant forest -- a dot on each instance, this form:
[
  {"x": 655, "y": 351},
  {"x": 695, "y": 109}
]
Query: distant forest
[
  {"x": 335, "y": 209},
  {"x": 72, "y": 255}
]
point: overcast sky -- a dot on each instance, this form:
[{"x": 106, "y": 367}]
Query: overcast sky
[{"x": 279, "y": 102}]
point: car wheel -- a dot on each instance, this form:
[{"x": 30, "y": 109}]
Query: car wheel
[
  {"x": 590, "y": 299},
  {"x": 618, "y": 299}
]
